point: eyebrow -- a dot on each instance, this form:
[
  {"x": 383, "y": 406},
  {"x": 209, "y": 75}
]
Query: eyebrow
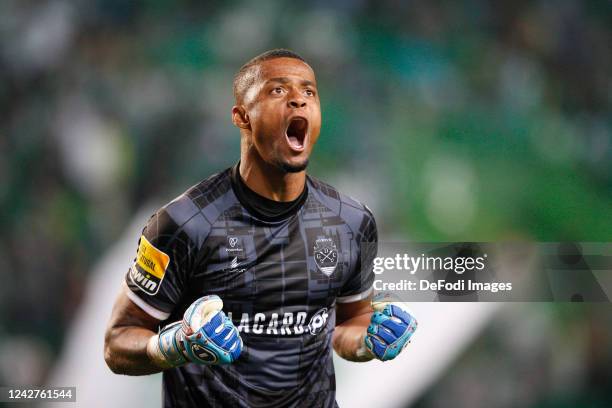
[{"x": 285, "y": 80}]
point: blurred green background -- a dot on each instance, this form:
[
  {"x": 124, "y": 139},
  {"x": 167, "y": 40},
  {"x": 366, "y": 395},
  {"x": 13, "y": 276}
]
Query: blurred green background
[{"x": 460, "y": 120}]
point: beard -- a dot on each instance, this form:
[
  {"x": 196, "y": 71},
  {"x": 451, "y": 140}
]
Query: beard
[{"x": 292, "y": 168}]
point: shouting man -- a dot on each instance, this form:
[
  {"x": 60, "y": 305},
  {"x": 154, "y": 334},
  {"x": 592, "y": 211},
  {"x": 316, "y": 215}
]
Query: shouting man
[{"x": 255, "y": 273}]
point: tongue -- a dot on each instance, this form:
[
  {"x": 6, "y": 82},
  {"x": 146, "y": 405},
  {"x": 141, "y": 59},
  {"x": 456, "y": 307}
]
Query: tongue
[{"x": 294, "y": 141}]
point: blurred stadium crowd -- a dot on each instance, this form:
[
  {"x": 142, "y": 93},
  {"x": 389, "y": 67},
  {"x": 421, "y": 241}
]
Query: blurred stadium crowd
[{"x": 469, "y": 120}]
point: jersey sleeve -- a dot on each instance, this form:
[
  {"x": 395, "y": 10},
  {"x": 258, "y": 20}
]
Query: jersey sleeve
[
  {"x": 359, "y": 285},
  {"x": 164, "y": 260}
]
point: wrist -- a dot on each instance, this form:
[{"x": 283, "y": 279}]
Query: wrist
[
  {"x": 154, "y": 353},
  {"x": 362, "y": 352},
  {"x": 164, "y": 349}
]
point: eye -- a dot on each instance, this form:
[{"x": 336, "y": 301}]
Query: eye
[
  {"x": 277, "y": 90},
  {"x": 309, "y": 92}
]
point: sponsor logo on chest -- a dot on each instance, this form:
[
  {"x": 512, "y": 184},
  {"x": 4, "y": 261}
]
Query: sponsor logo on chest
[{"x": 287, "y": 324}]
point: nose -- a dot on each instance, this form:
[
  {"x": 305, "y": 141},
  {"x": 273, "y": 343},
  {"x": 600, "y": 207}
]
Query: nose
[{"x": 296, "y": 101}]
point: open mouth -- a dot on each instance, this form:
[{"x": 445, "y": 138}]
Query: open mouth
[{"x": 296, "y": 133}]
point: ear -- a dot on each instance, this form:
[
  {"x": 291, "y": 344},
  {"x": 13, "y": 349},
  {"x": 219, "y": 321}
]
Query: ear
[{"x": 240, "y": 117}]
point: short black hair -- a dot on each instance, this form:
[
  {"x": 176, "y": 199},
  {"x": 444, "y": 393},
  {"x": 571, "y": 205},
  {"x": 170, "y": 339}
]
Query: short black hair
[{"x": 242, "y": 82}]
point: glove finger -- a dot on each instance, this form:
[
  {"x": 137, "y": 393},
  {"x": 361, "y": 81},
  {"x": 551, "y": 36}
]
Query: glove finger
[
  {"x": 235, "y": 347},
  {"x": 214, "y": 325},
  {"x": 378, "y": 318},
  {"x": 376, "y": 346},
  {"x": 226, "y": 336},
  {"x": 394, "y": 327},
  {"x": 373, "y": 328},
  {"x": 386, "y": 334},
  {"x": 383, "y": 334},
  {"x": 400, "y": 313},
  {"x": 233, "y": 343}
]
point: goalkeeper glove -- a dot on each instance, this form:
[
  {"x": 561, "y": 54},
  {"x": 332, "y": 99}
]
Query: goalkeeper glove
[
  {"x": 205, "y": 336},
  {"x": 391, "y": 327}
]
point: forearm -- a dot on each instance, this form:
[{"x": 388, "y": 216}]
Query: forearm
[
  {"x": 131, "y": 350},
  {"x": 348, "y": 339}
]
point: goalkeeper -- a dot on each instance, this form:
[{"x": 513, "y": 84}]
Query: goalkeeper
[{"x": 243, "y": 285}]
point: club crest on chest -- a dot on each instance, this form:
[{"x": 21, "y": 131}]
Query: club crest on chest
[{"x": 326, "y": 255}]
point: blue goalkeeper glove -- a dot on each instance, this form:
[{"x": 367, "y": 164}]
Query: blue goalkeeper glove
[
  {"x": 205, "y": 336},
  {"x": 390, "y": 329}
]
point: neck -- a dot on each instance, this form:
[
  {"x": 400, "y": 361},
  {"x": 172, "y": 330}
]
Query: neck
[{"x": 268, "y": 180}]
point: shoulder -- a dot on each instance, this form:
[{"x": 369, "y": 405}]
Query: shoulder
[
  {"x": 194, "y": 211},
  {"x": 356, "y": 214}
]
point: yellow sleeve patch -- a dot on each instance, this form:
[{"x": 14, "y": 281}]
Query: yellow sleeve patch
[{"x": 152, "y": 259}]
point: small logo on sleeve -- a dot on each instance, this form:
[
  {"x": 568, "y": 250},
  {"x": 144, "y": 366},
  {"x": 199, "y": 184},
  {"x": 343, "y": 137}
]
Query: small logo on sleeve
[{"x": 150, "y": 267}]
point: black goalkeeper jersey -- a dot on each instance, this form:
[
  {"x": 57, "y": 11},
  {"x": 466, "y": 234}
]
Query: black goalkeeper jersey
[{"x": 279, "y": 278}]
